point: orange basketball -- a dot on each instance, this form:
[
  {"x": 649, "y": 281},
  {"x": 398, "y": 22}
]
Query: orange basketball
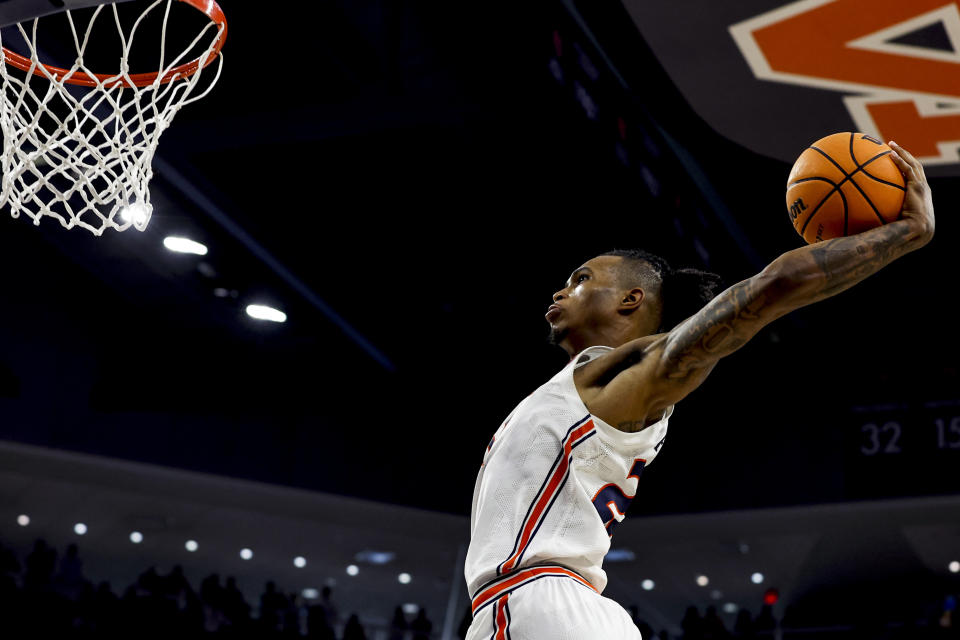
[{"x": 843, "y": 184}]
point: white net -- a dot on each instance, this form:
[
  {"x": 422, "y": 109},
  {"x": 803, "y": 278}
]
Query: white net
[{"x": 83, "y": 154}]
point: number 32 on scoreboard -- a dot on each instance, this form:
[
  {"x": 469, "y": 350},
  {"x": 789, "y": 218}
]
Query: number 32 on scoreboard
[{"x": 885, "y": 439}]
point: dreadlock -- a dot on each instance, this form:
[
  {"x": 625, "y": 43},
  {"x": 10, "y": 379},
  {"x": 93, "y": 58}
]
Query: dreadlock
[{"x": 682, "y": 292}]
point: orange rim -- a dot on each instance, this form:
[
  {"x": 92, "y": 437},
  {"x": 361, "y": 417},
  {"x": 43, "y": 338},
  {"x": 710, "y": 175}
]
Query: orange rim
[{"x": 209, "y": 7}]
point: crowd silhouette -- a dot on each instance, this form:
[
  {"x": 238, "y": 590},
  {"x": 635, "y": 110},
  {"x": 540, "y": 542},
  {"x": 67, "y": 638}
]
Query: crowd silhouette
[{"x": 50, "y": 597}]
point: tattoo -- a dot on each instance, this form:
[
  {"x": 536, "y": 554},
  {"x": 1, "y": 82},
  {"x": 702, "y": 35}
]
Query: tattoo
[
  {"x": 843, "y": 262},
  {"x": 797, "y": 278},
  {"x": 723, "y": 326},
  {"x": 632, "y": 426}
]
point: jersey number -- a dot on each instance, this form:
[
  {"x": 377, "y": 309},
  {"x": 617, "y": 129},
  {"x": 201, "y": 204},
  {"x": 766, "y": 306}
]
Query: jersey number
[{"x": 612, "y": 503}]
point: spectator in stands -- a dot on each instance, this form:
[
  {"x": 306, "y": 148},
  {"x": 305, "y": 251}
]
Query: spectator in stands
[
  {"x": 9, "y": 564},
  {"x": 105, "y": 611},
  {"x": 692, "y": 625},
  {"x": 290, "y": 616},
  {"x": 212, "y": 597},
  {"x": 947, "y": 621},
  {"x": 743, "y": 627},
  {"x": 398, "y": 626},
  {"x": 354, "y": 630},
  {"x": 326, "y": 601},
  {"x": 234, "y": 605},
  {"x": 765, "y": 624},
  {"x": 272, "y": 605},
  {"x": 713, "y": 628},
  {"x": 40, "y": 567},
  {"x": 317, "y": 625},
  {"x": 421, "y": 626}
]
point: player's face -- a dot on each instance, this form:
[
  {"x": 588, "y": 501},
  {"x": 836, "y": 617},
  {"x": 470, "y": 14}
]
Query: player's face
[{"x": 587, "y": 300}]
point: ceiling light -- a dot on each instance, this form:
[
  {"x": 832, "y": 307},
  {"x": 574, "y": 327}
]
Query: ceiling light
[
  {"x": 954, "y": 567},
  {"x": 374, "y": 557},
  {"x": 352, "y": 570},
  {"x": 263, "y": 312},
  {"x": 410, "y": 608},
  {"x": 300, "y": 562},
  {"x": 703, "y": 580},
  {"x": 756, "y": 578},
  {"x": 136, "y": 537},
  {"x": 246, "y": 554},
  {"x": 647, "y": 584},
  {"x": 730, "y": 607},
  {"x": 80, "y": 528},
  {"x": 310, "y": 593},
  {"x": 404, "y": 578},
  {"x": 191, "y": 545},
  {"x": 716, "y": 594},
  {"x": 184, "y": 245},
  {"x": 620, "y": 555},
  {"x": 23, "y": 520}
]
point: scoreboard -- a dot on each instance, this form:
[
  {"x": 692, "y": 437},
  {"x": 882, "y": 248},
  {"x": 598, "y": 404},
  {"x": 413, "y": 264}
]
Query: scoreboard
[{"x": 902, "y": 449}]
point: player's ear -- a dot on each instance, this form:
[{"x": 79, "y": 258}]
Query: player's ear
[{"x": 631, "y": 299}]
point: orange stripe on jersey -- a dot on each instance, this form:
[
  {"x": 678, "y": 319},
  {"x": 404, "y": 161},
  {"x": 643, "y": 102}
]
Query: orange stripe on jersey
[
  {"x": 502, "y": 587},
  {"x": 500, "y": 619},
  {"x": 547, "y": 494}
]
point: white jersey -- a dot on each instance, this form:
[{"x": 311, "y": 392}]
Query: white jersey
[{"x": 554, "y": 483}]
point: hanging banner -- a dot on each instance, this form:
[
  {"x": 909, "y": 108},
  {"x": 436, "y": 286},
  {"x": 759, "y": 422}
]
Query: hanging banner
[{"x": 775, "y": 78}]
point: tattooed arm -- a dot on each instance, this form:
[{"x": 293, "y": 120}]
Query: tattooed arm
[{"x": 655, "y": 373}]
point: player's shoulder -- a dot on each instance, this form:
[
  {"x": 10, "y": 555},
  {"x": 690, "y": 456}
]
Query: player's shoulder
[{"x": 603, "y": 365}]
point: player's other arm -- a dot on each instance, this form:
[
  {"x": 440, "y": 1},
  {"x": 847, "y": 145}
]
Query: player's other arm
[{"x": 671, "y": 367}]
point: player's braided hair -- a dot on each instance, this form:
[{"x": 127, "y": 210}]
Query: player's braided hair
[{"x": 682, "y": 292}]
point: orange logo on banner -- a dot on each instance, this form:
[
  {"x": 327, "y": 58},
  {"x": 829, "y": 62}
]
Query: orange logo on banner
[{"x": 903, "y": 92}]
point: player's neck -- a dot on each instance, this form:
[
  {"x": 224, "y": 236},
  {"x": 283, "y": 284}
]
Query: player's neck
[{"x": 606, "y": 337}]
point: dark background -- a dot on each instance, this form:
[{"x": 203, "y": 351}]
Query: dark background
[{"x": 432, "y": 173}]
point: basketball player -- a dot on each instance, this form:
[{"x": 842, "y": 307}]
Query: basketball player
[{"x": 561, "y": 470}]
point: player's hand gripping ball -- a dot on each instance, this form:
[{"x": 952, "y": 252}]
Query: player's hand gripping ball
[{"x": 843, "y": 184}]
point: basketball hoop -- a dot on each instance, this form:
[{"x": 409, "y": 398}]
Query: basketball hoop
[{"x": 79, "y": 146}]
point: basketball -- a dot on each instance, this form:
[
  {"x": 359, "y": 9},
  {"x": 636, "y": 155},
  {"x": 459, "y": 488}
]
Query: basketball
[{"x": 843, "y": 184}]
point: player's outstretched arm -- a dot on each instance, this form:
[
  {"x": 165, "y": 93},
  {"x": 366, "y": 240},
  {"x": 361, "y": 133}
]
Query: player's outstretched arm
[{"x": 669, "y": 368}]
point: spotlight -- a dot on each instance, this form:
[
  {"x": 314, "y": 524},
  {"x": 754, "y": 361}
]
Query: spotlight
[
  {"x": 352, "y": 570},
  {"x": 246, "y": 554},
  {"x": 184, "y": 245},
  {"x": 23, "y": 520},
  {"x": 404, "y": 578},
  {"x": 79, "y": 528},
  {"x": 136, "y": 537},
  {"x": 647, "y": 584},
  {"x": 756, "y": 578},
  {"x": 310, "y": 593},
  {"x": 263, "y": 312},
  {"x": 191, "y": 545},
  {"x": 954, "y": 567},
  {"x": 730, "y": 607},
  {"x": 703, "y": 580},
  {"x": 300, "y": 562}
]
